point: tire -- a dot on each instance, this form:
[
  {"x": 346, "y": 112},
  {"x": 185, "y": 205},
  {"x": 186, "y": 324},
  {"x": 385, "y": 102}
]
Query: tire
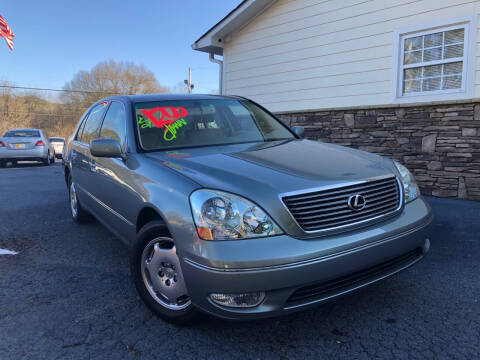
[
  {"x": 3, "y": 163},
  {"x": 52, "y": 159},
  {"x": 168, "y": 275},
  {"x": 78, "y": 213},
  {"x": 46, "y": 161}
]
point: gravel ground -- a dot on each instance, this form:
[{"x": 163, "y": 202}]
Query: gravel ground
[{"x": 67, "y": 294}]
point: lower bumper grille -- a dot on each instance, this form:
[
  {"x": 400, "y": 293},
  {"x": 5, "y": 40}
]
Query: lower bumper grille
[{"x": 319, "y": 291}]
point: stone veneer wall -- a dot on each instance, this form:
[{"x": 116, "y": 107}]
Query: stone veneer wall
[{"x": 440, "y": 144}]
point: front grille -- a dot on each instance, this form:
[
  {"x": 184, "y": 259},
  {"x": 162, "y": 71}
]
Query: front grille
[
  {"x": 327, "y": 289},
  {"x": 326, "y": 209}
]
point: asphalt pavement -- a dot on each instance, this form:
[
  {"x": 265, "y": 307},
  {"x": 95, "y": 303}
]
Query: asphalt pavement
[{"x": 67, "y": 294}]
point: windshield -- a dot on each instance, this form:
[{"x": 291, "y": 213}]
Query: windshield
[
  {"x": 189, "y": 123},
  {"x": 22, "y": 133}
]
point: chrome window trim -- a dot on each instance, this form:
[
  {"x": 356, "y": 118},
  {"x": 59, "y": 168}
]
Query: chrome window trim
[{"x": 339, "y": 186}]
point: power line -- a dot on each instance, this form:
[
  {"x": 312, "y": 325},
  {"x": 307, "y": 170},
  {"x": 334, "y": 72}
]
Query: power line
[
  {"x": 22, "y": 113},
  {"x": 60, "y": 90}
]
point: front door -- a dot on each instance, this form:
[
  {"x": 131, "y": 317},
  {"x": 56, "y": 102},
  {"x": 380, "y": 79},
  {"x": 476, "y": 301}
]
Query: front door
[{"x": 112, "y": 177}]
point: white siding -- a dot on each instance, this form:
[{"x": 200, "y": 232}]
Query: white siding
[{"x": 314, "y": 54}]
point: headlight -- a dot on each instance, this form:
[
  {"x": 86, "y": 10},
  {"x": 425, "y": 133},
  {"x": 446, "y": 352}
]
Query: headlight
[
  {"x": 222, "y": 216},
  {"x": 410, "y": 187}
]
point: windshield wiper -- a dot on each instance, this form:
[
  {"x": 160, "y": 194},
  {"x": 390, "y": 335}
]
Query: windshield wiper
[{"x": 278, "y": 139}]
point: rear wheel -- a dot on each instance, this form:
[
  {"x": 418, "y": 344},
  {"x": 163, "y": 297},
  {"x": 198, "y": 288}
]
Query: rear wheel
[
  {"x": 46, "y": 161},
  {"x": 52, "y": 159},
  {"x": 3, "y": 163},
  {"x": 158, "y": 276},
  {"x": 79, "y": 215}
]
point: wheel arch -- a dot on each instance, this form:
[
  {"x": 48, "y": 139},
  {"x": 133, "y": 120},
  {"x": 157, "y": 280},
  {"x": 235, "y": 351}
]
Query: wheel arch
[
  {"x": 66, "y": 171},
  {"x": 147, "y": 214}
]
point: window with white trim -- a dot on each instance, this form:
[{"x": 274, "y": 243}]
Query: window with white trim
[{"x": 433, "y": 61}]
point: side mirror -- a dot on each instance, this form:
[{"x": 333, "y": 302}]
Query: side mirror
[
  {"x": 299, "y": 131},
  {"x": 108, "y": 148}
]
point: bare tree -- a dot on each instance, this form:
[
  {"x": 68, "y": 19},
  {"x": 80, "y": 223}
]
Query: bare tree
[
  {"x": 110, "y": 78},
  {"x": 179, "y": 88},
  {"x": 19, "y": 108}
]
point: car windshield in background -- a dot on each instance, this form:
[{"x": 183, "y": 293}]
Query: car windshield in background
[
  {"x": 59, "y": 140},
  {"x": 22, "y": 133},
  {"x": 189, "y": 123}
]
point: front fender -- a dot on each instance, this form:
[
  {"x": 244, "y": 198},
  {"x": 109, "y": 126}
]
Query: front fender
[{"x": 167, "y": 192}]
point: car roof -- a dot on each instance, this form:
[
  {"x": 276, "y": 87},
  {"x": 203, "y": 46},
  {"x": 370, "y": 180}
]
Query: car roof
[
  {"x": 23, "y": 129},
  {"x": 164, "y": 97}
]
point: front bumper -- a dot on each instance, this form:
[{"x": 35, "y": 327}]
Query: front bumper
[
  {"x": 341, "y": 264},
  {"x": 38, "y": 153}
]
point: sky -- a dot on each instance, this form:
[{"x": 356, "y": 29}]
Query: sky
[{"x": 55, "y": 39}]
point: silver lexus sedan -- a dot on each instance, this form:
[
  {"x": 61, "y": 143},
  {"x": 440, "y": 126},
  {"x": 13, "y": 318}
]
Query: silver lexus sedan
[
  {"x": 228, "y": 211},
  {"x": 25, "y": 145}
]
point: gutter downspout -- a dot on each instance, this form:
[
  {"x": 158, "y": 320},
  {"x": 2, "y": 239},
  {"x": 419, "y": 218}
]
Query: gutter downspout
[{"x": 220, "y": 77}]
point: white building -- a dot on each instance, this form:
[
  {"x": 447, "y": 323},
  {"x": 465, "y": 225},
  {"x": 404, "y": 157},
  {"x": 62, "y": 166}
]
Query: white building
[
  {"x": 396, "y": 77},
  {"x": 305, "y": 55}
]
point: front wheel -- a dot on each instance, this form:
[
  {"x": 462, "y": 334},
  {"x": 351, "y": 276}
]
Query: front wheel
[{"x": 158, "y": 276}]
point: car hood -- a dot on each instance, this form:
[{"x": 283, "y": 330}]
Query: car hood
[{"x": 263, "y": 169}]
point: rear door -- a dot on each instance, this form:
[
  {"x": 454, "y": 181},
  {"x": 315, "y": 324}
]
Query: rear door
[
  {"x": 82, "y": 167},
  {"x": 73, "y": 154}
]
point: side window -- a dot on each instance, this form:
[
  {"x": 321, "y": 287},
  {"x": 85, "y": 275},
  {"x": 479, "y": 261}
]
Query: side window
[
  {"x": 80, "y": 130},
  {"x": 83, "y": 120},
  {"x": 92, "y": 123},
  {"x": 114, "y": 124}
]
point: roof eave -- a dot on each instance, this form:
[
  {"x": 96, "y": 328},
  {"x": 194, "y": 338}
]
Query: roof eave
[
  {"x": 212, "y": 41},
  {"x": 205, "y": 46}
]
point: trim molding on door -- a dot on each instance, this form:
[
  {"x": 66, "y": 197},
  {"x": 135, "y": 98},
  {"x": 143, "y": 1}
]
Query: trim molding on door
[{"x": 107, "y": 207}]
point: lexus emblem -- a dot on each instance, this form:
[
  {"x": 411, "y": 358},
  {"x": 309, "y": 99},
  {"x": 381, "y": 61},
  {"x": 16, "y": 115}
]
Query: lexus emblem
[{"x": 356, "y": 202}]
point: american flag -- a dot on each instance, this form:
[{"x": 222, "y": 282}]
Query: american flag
[{"x": 6, "y": 33}]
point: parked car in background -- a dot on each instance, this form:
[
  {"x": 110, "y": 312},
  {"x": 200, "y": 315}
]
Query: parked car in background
[
  {"x": 58, "y": 144},
  {"x": 229, "y": 211},
  {"x": 25, "y": 145}
]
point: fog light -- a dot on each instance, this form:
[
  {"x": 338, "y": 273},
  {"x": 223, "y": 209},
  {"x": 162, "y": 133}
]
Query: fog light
[
  {"x": 426, "y": 245},
  {"x": 238, "y": 300}
]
